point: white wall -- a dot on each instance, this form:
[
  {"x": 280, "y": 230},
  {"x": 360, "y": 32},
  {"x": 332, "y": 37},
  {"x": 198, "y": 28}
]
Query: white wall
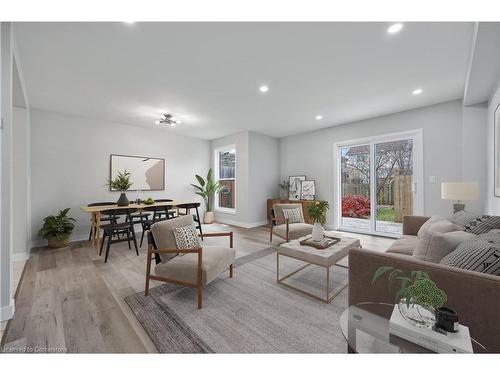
[
  {"x": 493, "y": 203},
  {"x": 263, "y": 176},
  {"x": 20, "y": 175},
  {"x": 312, "y": 153},
  {"x": 70, "y": 163}
]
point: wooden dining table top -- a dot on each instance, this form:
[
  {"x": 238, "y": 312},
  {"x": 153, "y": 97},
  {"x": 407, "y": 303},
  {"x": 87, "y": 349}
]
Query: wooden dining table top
[{"x": 93, "y": 209}]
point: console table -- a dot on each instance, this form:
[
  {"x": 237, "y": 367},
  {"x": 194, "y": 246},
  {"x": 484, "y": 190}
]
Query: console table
[{"x": 305, "y": 208}]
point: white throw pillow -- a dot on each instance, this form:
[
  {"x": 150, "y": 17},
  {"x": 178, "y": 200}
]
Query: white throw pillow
[
  {"x": 186, "y": 237},
  {"x": 294, "y": 215},
  {"x": 434, "y": 246}
]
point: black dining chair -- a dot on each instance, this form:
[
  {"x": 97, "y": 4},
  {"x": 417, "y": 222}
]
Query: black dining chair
[
  {"x": 117, "y": 232},
  {"x": 106, "y": 218},
  {"x": 161, "y": 214},
  {"x": 187, "y": 207}
]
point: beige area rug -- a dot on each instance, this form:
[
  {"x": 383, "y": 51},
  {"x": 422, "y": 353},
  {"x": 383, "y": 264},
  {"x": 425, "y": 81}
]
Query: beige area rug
[{"x": 250, "y": 313}]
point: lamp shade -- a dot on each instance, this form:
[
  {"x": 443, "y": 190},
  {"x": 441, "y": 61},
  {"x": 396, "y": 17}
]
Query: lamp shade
[{"x": 459, "y": 191}]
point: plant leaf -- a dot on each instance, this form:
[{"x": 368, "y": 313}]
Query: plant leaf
[
  {"x": 379, "y": 272},
  {"x": 200, "y": 180}
]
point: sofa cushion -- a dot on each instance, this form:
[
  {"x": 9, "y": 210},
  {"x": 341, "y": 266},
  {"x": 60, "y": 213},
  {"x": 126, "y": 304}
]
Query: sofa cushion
[
  {"x": 462, "y": 218},
  {"x": 434, "y": 246},
  {"x": 483, "y": 224},
  {"x": 163, "y": 234},
  {"x": 294, "y": 230},
  {"x": 404, "y": 245},
  {"x": 294, "y": 215},
  {"x": 443, "y": 226},
  {"x": 481, "y": 254},
  {"x": 428, "y": 223},
  {"x": 214, "y": 261}
]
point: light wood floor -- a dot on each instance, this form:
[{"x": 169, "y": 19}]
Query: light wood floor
[{"x": 69, "y": 300}]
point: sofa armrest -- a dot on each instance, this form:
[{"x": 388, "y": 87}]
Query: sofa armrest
[
  {"x": 475, "y": 296},
  {"x": 411, "y": 224}
]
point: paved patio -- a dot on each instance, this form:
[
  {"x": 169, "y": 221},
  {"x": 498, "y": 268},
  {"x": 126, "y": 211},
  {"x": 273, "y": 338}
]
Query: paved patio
[{"x": 364, "y": 225}]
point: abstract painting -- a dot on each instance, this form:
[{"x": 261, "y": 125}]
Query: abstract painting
[
  {"x": 307, "y": 190},
  {"x": 146, "y": 173},
  {"x": 295, "y": 186}
]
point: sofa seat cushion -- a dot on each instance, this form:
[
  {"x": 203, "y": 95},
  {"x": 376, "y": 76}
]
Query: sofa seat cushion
[
  {"x": 405, "y": 245},
  {"x": 295, "y": 230},
  {"x": 214, "y": 261},
  {"x": 434, "y": 246}
]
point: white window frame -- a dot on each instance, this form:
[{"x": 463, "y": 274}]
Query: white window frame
[
  {"x": 218, "y": 150},
  {"x": 418, "y": 175}
]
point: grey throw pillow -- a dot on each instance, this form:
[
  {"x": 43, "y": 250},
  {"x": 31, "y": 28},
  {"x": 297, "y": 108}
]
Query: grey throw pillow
[
  {"x": 425, "y": 226},
  {"x": 294, "y": 215},
  {"x": 481, "y": 254},
  {"x": 434, "y": 246}
]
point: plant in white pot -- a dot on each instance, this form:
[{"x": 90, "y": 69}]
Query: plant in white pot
[
  {"x": 207, "y": 189},
  {"x": 121, "y": 183},
  {"x": 317, "y": 212},
  {"x": 57, "y": 229}
]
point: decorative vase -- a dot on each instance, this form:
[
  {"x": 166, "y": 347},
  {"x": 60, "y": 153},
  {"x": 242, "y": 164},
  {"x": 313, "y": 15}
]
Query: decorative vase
[
  {"x": 283, "y": 194},
  {"x": 208, "y": 217},
  {"x": 123, "y": 201},
  {"x": 54, "y": 243},
  {"x": 416, "y": 314},
  {"x": 317, "y": 232}
]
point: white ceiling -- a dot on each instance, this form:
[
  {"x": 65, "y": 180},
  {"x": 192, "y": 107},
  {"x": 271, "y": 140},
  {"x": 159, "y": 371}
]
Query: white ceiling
[{"x": 208, "y": 74}]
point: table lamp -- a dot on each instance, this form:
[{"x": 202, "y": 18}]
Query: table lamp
[{"x": 459, "y": 191}]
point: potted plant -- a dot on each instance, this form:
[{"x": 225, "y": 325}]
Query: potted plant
[
  {"x": 418, "y": 296},
  {"x": 121, "y": 183},
  {"x": 317, "y": 212},
  {"x": 284, "y": 186},
  {"x": 57, "y": 229},
  {"x": 207, "y": 189}
]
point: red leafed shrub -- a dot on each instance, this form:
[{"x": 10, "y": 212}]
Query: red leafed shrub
[{"x": 355, "y": 206}]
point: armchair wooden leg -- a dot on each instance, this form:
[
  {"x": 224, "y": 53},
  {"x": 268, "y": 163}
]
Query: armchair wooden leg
[
  {"x": 271, "y": 235},
  {"x": 200, "y": 297},
  {"x": 146, "y": 290},
  {"x": 231, "y": 271}
]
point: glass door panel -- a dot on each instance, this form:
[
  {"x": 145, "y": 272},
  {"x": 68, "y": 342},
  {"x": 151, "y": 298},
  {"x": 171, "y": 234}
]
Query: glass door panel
[
  {"x": 355, "y": 187},
  {"x": 393, "y": 170}
]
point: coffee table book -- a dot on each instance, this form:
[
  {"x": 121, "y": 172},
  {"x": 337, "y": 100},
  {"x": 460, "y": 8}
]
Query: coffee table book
[{"x": 451, "y": 342}]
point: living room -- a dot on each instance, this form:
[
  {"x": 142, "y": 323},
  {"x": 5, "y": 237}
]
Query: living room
[{"x": 175, "y": 187}]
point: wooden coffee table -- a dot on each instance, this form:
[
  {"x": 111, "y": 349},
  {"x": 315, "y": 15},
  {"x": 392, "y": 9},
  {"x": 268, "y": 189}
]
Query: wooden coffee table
[{"x": 325, "y": 258}]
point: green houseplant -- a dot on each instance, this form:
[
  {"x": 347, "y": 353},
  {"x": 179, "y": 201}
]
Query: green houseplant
[
  {"x": 418, "y": 296},
  {"x": 121, "y": 183},
  {"x": 57, "y": 229},
  {"x": 207, "y": 190},
  {"x": 317, "y": 212}
]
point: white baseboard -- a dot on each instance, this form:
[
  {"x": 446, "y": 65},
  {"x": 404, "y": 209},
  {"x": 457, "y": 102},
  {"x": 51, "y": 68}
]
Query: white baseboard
[
  {"x": 18, "y": 257},
  {"x": 7, "y": 312},
  {"x": 242, "y": 224}
]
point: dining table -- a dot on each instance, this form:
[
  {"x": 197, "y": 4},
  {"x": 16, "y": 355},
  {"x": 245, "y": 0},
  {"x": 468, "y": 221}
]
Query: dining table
[{"x": 96, "y": 212}]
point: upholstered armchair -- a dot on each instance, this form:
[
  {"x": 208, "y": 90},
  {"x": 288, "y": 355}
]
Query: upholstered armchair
[
  {"x": 193, "y": 267},
  {"x": 286, "y": 224}
]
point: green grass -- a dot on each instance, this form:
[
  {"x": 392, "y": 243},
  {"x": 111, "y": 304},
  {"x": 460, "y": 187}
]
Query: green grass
[{"x": 385, "y": 213}]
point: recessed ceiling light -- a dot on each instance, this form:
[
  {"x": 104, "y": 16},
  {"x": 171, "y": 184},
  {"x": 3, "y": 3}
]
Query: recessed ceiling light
[
  {"x": 417, "y": 91},
  {"x": 263, "y": 88},
  {"x": 319, "y": 117},
  {"x": 395, "y": 28}
]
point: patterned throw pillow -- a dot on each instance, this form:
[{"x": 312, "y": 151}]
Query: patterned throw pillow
[
  {"x": 481, "y": 254},
  {"x": 186, "y": 237},
  {"x": 483, "y": 224},
  {"x": 294, "y": 215}
]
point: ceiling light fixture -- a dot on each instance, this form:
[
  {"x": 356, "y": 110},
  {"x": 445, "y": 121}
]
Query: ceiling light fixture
[
  {"x": 417, "y": 91},
  {"x": 395, "y": 28},
  {"x": 263, "y": 88},
  {"x": 167, "y": 119},
  {"x": 319, "y": 117}
]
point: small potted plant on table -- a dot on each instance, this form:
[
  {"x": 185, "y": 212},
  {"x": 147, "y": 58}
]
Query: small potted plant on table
[
  {"x": 121, "y": 183},
  {"x": 317, "y": 212},
  {"x": 57, "y": 229}
]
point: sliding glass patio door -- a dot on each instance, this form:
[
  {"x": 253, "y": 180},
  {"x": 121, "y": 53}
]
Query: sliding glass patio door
[{"x": 377, "y": 182}]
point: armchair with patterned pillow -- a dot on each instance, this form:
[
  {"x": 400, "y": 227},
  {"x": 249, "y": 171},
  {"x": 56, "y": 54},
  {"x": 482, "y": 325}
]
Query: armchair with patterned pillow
[
  {"x": 287, "y": 222},
  {"x": 180, "y": 258}
]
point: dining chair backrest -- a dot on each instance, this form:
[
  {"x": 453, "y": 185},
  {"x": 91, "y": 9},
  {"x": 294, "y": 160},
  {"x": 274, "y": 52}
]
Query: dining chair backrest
[{"x": 114, "y": 212}]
